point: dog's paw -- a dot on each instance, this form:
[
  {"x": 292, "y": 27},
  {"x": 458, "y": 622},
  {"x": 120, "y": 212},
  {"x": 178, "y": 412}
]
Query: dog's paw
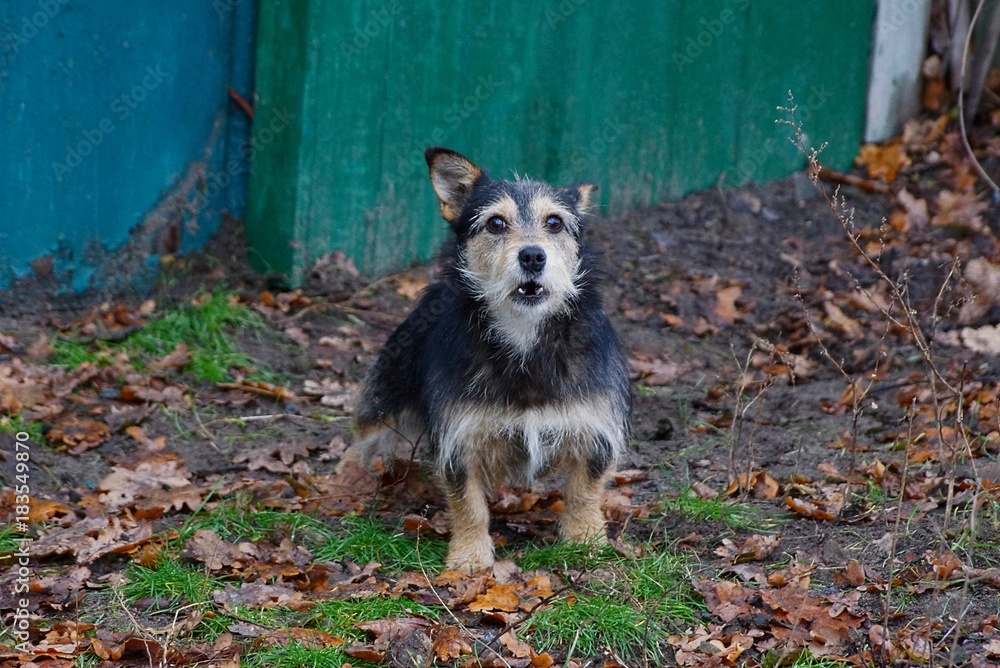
[
  {"x": 583, "y": 527},
  {"x": 469, "y": 557}
]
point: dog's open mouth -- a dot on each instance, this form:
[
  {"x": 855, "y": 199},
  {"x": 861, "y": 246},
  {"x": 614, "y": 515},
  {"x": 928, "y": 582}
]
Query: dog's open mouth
[{"x": 530, "y": 293}]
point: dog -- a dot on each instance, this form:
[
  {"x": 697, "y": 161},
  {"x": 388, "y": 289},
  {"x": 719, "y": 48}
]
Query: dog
[{"x": 508, "y": 364}]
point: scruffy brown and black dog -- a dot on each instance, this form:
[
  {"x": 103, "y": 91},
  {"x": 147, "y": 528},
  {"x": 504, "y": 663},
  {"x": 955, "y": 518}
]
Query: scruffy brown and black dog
[{"x": 508, "y": 364}]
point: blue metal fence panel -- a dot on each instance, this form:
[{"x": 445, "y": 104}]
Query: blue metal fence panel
[{"x": 119, "y": 140}]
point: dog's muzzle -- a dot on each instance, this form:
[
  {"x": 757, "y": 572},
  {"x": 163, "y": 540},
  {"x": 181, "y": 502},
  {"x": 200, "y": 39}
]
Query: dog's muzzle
[
  {"x": 530, "y": 292},
  {"x": 532, "y": 261}
]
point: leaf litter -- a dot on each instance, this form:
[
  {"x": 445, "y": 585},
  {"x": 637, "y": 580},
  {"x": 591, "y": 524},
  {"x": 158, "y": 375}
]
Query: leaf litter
[{"x": 875, "y": 492}]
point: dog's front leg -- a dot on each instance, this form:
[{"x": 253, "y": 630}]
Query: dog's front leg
[
  {"x": 582, "y": 519},
  {"x": 470, "y": 548}
]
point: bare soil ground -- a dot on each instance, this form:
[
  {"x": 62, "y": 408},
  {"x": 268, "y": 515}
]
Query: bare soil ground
[{"x": 772, "y": 370}]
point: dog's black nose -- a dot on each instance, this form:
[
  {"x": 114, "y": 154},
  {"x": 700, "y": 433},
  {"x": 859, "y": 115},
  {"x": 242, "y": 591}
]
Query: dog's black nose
[{"x": 532, "y": 259}]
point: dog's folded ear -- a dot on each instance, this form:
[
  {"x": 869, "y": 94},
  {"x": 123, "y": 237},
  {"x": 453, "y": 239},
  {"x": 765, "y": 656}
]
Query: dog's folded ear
[
  {"x": 580, "y": 194},
  {"x": 452, "y": 176}
]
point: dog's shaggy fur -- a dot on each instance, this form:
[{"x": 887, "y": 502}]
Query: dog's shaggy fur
[{"x": 508, "y": 364}]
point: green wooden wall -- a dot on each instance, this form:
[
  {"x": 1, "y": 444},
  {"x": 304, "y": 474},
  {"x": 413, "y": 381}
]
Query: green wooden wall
[{"x": 649, "y": 99}]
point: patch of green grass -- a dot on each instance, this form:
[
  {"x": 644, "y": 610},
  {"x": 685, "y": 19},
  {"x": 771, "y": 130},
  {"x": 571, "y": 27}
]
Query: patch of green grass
[
  {"x": 12, "y": 424},
  {"x": 364, "y": 540},
  {"x": 9, "y": 540},
  {"x": 240, "y": 519},
  {"x": 734, "y": 515},
  {"x": 683, "y": 414},
  {"x": 873, "y": 496},
  {"x": 207, "y": 329},
  {"x": 588, "y": 623},
  {"x": 86, "y": 660},
  {"x": 804, "y": 660},
  {"x": 662, "y": 582},
  {"x": 71, "y": 354},
  {"x": 297, "y": 655},
  {"x": 339, "y": 617},
  {"x": 171, "y": 581},
  {"x": 616, "y": 607},
  {"x": 644, "y": 390},
  {"x": 564, "y": 555},
  {"x": 901, "y": 600},
  {"x": 212, "y": 626}
]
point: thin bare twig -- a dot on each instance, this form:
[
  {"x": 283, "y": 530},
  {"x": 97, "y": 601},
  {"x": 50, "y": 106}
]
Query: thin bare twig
[
  {"x": 941, "y": 388},
  {"x": 845, "y": 216},
  {"x": 899, "y": 520},
  {"x": 739, "y": 419},
  {"x": 961, "y": 103},
  {"x": 859, "y": 390}
]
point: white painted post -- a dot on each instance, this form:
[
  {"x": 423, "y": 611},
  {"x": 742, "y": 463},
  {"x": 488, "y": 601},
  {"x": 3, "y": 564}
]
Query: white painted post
[{"x": 899, "y": 44}]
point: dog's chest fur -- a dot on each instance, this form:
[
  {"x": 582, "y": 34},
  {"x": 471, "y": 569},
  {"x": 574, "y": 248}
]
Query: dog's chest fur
[
  {"x": 523, "y": 444},
  {"x": 551, "y": 371},
  {"x": 521, "y": 413}
]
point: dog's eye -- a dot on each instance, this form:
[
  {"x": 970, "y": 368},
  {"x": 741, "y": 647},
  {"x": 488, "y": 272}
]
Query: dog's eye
[
  {"x": 496, "y": 225},
  {"x": 554, "y": 224}
]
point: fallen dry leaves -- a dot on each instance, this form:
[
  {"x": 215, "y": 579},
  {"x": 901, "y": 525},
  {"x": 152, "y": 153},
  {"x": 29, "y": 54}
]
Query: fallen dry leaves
[
  {"x": 883, "y": 161},
  {"x": 754, "y": 548},
  {"x": 780, "y": 614},
  {"x": 92, "y": 538},
  {"x": 411, "y": 287},
  {"x": 653, "y": 371},
  {"x": 760, "y": 599},
  {"x": 757, "y": 483},
  {"x": 153, "y": 486}
]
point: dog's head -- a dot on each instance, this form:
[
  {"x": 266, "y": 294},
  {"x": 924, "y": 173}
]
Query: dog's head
[{"x": 520, "y": 241}]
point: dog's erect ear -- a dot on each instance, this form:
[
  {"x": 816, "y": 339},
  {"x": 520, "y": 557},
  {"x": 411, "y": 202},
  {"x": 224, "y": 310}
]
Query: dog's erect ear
[
  {"x": 452, "y": 176},
  {"x": 581, "y": 193}
]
